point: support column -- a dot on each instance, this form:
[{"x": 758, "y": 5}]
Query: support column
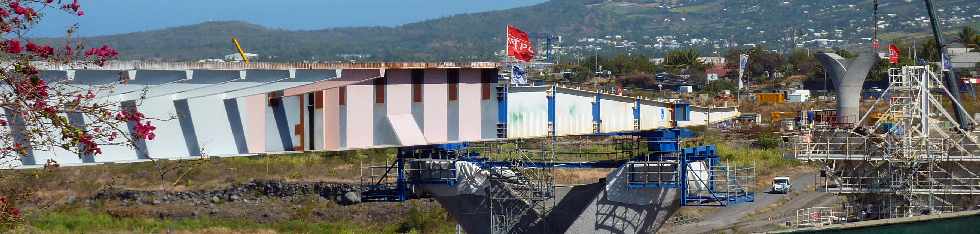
[
  {"x": 502, "y": 110},
  {"x": 551, "y": 111},
  {"x": 401, "y": 184},
  {"x": 596, "y": 116},
  {"x": 636, "y": 115}
]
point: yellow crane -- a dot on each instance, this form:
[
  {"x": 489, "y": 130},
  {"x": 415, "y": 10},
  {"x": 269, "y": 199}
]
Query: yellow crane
[{"x": 240, "y": 50}]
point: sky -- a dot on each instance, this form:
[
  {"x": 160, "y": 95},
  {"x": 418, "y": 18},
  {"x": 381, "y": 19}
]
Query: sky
[{"x": 103, "y": 17}]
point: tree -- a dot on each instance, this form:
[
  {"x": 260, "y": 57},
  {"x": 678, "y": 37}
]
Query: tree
[
  {"x": 34, "y": 110},
  {"x": 802, "y": 62},
  {"x": 929, "y": 50},
  {"x": 686, "y": 58},
  {"x": 968, "y": 36},
  {"x": 763, "y": 63},
  {"x": 718, "y": 86}
]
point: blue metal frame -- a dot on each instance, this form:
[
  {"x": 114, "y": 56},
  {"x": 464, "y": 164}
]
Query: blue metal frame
[
  {"x": 551, "y": 112},
  {"x": 682, "y": 111},
  {"x": 502, "y": 110},
  {"x": 665, "y": 143},
  {"x": 665, "y": 146},
  {"x": 596, "y": 117},
  {"x": 636, "y": 114}
]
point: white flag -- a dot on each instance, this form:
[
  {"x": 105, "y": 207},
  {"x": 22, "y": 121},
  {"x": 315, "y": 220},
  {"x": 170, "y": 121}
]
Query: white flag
[{"x": 743, "y": 60}]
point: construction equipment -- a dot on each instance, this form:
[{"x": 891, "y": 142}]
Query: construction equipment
[
  {"x": 951, "y": 81},
  {"x": 240, "y": 50}
]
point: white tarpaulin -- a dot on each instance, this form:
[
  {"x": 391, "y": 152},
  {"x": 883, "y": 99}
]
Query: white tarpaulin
[
  {"x": 471, "y": 178},
  {"x": 697, "y": 176}
]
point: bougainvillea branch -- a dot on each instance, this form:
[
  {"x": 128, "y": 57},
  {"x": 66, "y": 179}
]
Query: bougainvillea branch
[{"x": 34, "y": 110}]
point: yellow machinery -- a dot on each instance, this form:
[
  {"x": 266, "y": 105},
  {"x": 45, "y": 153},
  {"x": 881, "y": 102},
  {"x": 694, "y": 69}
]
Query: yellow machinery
[
  {"x": 240, "y": 50},
  {"x": 778, "y": 116}
]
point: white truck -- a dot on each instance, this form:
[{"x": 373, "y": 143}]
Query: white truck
[{"x": 781, "y": 184}]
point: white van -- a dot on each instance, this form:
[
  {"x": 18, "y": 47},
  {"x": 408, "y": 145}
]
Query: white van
[{"x": 781, "y": 184}]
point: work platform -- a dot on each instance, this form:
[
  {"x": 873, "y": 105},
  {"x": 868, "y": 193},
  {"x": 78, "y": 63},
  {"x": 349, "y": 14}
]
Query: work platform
[
  {"x": 509, "y": 187},
  {"x": 911, "y": 158}
]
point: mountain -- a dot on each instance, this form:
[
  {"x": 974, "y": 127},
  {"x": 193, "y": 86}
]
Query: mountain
[{"x": 477, "y": 36}]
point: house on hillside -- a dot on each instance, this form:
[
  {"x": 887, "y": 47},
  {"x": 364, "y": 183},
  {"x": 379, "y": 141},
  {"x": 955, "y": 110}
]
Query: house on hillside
[{"x": 716, "y": 71}]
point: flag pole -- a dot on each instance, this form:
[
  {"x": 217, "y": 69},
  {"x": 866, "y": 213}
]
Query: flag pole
[
  {"x": 507, "y": 50},
  {"x": 507, "y": 59}
]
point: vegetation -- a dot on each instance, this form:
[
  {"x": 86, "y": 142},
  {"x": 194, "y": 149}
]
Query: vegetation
[
  {"x": 768, "y": 141},
  {"x": 80, "y": 220},
  {"x": 968, "y": 36}
]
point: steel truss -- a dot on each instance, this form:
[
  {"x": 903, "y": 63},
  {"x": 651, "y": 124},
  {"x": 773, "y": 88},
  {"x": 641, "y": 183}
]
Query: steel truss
[{"x": 914, "y": 159}]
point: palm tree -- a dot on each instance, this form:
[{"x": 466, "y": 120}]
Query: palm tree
[{"x": 968, "y": 36}]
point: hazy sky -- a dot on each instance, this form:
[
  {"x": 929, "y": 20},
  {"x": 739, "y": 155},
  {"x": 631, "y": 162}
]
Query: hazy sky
[{"x": 121, "y": 16}]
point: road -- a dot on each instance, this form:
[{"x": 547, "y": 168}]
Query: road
[{"x": 765, "y": 213}]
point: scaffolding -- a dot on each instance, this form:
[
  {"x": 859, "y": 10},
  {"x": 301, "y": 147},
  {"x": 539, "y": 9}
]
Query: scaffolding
[
  {"x": 696, "y": 171},
  {"x": 820, "y": 216},
  {"x": 912, "y": 160},
  {"x": 520, "y": 194},
  {"x": 520, "y": 173}
]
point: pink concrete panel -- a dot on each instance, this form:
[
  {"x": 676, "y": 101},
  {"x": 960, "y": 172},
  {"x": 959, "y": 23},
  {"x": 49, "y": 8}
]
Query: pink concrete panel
[
  {"x": 347, "y": 77},
  {"x": 360, "y": 116},
  {"x": 398, "y": 92},
  {"x": 331, "y": 119},
  {"x": 435, "y": 105},
  {"x": 470, "y": 117},
  {"x": 255, "y": 123}
]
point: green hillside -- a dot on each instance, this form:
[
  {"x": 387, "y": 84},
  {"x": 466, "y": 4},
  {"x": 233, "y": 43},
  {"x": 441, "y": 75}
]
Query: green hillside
[{"x": 477, "y": 36}]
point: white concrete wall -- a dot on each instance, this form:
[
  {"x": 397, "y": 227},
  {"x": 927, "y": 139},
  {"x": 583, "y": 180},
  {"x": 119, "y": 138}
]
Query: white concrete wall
[
  {"x": 527, "y": 113},
  {"x": 700, "y": 116},
  {"x": 616, "y": 113},
  {"x": 169, "y": 142},
  {"x": 573, "y": 112},
  {"x": 212, "y": 126},
  {"x": 654, "y": 115}
]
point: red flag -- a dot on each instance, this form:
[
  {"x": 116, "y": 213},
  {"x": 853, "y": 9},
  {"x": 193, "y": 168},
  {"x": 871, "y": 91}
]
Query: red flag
[
  {"x": 893, "y": 54},
  {"x": 518, "y": 44}
]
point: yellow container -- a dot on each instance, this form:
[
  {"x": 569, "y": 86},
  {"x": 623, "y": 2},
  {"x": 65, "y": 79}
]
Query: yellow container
[{"x": 770, "y": 98}]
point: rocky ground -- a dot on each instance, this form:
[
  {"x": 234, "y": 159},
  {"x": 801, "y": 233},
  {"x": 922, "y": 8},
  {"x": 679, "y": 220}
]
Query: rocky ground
[
  {"x": 306, "y": 193},
  {"x": 256, "y": 200}
]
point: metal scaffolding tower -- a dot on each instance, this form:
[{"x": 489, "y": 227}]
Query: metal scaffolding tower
[
  {"x": 519, "y": 194},
  {"x": 697, "y": 172},
  {"x": 910, "y": 159}
]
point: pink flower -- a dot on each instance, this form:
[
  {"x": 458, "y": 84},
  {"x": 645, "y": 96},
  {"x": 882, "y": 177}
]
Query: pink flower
[
  {"x": 12, "y": 46},
  {"x": 15, "y": 212},
  {"x": 144, "y": 131},
  {"x": 20, "y": 10},
  {"x": 74, "y": 5},
  {"x": 89, "y": 145},
  {"x": 101, "y": 54},
  {"x": 43, "y": 51},
  {"x": 81, "y": 13}
]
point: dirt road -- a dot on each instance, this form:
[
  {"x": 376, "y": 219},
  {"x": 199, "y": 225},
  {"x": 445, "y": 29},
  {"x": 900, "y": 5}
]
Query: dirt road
[{"x": 766, "y": 213}]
